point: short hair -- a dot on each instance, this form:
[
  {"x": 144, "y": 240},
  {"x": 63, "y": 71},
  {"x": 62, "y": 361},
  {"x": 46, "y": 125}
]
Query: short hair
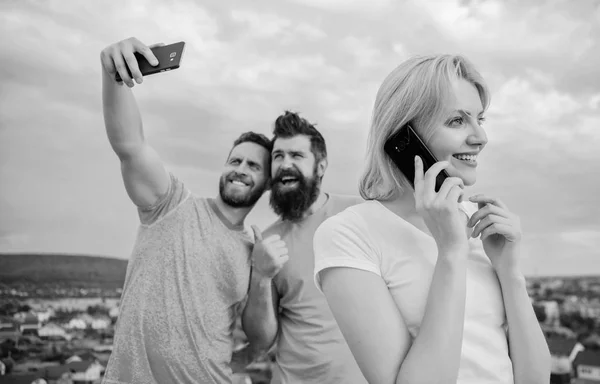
[
  {"x": 253, "y": 137},
  {"x": 256, "y": 138},
  {"x": 290, "y": 124},
  {"x": 414, "y": 92}
]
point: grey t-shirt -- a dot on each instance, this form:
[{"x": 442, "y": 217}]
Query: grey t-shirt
[
  {"x": 311, "y": 348},
  {"x": 185, "y": 282}
]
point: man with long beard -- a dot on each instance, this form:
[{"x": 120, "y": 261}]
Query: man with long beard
[
  {"x": 189, "y": 271},
  {"x": 309, "y": 345}
]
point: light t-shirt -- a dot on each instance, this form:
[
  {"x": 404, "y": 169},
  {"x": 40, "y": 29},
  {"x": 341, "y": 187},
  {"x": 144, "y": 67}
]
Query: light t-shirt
[
  {"x": 187, "y": 275},
  {"x": 372, "y": 238},
  {"x": 310, "y": 346}
]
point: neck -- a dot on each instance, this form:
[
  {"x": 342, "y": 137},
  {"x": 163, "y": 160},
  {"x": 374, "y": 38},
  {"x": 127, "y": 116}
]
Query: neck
[
  {"x": 320, "y": 202},
  {"x": 403, "y": 205},
  {"x": 236, "y": 216}
]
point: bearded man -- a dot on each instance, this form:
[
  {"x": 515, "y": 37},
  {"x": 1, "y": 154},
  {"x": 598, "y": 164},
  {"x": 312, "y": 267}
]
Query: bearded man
[{"x": 309, "y": 345}]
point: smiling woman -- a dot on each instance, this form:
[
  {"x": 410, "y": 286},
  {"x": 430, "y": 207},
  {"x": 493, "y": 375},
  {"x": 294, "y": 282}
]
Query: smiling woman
[{"x": 415, "y": 277}]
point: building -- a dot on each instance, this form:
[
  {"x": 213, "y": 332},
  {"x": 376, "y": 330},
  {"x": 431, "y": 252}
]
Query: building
[
  {"x": 563, "y": 351},
  {"x": 552, "y": 312},
  {"x": 571, "y": 304},
  {"x": 80, "y": 372},
  {"x": 23, "y": 378},
  {"x": 52, "y": 330},
  {"x": 82, "y": 321},
  {"x": 28, "y": 322},
  {"x": 44, "y": 315},
  {"x": 9, "y": 329},
  {"x": 101, "y": 322},
  {"x": 85, "y": 356},
  {"x": 591, "y": 309},
  {"x": 114, "y": 312},
  {"x": 587, "y": 367}
]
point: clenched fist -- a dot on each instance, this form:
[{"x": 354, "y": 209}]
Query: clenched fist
[{"x": 269, "y": 255}]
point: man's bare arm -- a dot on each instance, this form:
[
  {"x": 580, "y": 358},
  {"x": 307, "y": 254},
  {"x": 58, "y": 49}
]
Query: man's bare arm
[
  {"x": 144, "y": 174},
  {"x": 260, "y": 317}
]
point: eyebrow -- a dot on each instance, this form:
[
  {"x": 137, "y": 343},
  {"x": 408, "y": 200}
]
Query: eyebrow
[
  {"x": 293, "y": 152},
  {"x": 250, "y": 162},
  {"x": 463, "y": 112}
]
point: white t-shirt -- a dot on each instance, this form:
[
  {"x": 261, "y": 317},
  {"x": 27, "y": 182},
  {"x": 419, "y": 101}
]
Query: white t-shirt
[{"x": 370, "y": 237}]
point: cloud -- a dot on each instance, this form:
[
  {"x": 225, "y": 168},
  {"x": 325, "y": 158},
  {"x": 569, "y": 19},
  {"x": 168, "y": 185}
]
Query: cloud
[
  {"x": 585, "y": 237},
  {"x": 61, "y": 189},
  {"x": 267, "y": 25},
  {"x": 347, "y": 6}
]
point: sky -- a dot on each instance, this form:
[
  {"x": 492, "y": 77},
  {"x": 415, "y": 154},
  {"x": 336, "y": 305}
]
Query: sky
[{"x": 247, "y": 62}]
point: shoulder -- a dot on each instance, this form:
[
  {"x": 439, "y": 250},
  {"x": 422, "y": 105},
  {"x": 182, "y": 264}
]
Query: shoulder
[
  {"x": 204, "y": 205},
  {"x": 352, "y": 221},
  {"x": 345, "y": 240},
  {"x": 340, "y": 202}
]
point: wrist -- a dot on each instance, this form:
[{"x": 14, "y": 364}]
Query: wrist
[
  {"x": 456, "y": 252},
  {"x": 452, "y": 259},
  {"x": 260, "y": 278},
  {"x": 510, "y": 275}
]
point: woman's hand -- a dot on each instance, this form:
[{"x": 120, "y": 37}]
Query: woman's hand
[
  {"x": 500, "y": 232},
  {"x": 440, "y": 210}
]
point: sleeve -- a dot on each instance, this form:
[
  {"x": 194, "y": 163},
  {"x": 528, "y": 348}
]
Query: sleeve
[
  {"x": 343, "y": 241},
  {"x": 176, "y": 193}
]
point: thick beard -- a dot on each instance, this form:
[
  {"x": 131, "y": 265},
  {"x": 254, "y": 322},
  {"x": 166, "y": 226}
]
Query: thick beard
[
  {"x": 237, "y": 201},
  {"x": 292, "y": 204}
]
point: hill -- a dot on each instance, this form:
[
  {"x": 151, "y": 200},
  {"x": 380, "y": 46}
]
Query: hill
[{"x": 60, "y": 269}]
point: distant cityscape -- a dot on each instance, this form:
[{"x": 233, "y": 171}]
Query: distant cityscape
[{"x": 63, "y": 332}]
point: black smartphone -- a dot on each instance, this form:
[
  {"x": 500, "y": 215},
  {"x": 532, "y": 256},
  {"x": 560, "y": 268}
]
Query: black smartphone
[
  {"x": 168, "y": 56},
  {"x": 402, "y": 148}
]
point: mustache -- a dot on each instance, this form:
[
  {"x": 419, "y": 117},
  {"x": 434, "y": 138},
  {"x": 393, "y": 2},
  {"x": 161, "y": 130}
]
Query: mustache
[
  {"x": 234, "y": 176},
  {"x": 287, "y": 173}
]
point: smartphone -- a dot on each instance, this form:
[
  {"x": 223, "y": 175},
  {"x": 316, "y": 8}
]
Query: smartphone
[
  {"x": 402, "y": 148},
  {"x": 168, "y": 56}
]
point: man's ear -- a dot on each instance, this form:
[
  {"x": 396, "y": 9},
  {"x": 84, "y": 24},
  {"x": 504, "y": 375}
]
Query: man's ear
[{"x": 321, "y": 167}]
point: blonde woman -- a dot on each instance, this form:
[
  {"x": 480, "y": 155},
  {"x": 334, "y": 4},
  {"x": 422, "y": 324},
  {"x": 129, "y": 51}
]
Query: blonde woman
[{"x": 426, "y": 287}]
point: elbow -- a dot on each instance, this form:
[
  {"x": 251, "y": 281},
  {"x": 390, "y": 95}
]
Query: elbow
[
  {"x": 545, "y": 367},
  {"x": 537, "y": 372},
  {"x": 260, "y": 346},
  {"x": 263, "y": 342},
  {"x": 261, "y": 339},
  {"x": 425, "y": 379},
  {"x": 126, "y": 151},
  {"x": 423, "y": 374}
]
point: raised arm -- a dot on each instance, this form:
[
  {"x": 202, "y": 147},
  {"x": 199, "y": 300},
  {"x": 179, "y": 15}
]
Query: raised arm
[{"x": 144, "y": 174}]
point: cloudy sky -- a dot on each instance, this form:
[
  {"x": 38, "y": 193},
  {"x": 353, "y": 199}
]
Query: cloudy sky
[{"x": 246, "y": 62}]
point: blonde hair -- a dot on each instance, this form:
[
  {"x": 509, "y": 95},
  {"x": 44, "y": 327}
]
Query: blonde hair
[{"x": 416, "y": 92}]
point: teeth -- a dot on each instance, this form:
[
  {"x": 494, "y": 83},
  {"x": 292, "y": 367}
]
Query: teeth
[
  {"x": 236, "y": 182},
  {"x": 288, "y": 178},
  {"x": 466, "y": 157}
]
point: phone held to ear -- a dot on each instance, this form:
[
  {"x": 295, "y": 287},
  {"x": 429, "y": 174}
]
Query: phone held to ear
[
  {"x": 168, "y": 56},
  {"x": 402, "y": 148}
]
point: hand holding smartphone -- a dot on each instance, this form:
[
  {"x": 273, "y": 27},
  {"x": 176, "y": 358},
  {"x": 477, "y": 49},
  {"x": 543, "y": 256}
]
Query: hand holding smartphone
[
  {"x": 402, "y": 148},
  {"x": 131, "y": 59},
  {"x": 168, "y": 56}
]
